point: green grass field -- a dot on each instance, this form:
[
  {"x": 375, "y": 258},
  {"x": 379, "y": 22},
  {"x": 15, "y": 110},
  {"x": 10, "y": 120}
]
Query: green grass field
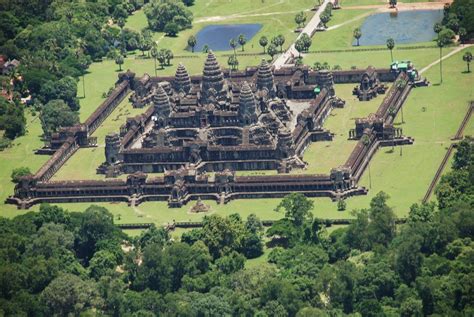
[
  {"x": 432, "y": 116},
  {"x": 83, "y": 163},
  {"x": 322, "y": 156}
]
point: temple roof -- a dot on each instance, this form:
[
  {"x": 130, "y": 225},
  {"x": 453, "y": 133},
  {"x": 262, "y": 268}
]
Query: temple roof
[
  {"x": 264, "y": 76},
  {"x": 182, "y": 79}
]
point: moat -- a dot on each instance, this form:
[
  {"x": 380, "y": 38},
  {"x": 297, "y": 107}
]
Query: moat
[
  {"x": 217, "y": 37},
  {"x": 404, "y": 27}
]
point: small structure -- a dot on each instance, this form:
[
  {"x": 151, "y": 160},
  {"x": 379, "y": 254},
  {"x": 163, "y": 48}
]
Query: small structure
[
  {"x": 370, "y": 85},
  {"x": 200, "y": 207}
]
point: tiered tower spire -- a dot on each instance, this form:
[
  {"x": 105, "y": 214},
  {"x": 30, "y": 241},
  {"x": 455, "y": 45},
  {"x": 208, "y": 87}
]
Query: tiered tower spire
[
  {"x": 264, "y": 76},
  {"x": 182, "y": 81},
  {"x": 212, "y": 78},
  {"x": 162, "y": 106},
  {"x": 247, "y": 105}
]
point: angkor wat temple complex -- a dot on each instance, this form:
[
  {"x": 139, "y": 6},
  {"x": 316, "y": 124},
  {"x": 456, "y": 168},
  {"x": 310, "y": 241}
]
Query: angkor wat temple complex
[{"x": 200, "y": 130}]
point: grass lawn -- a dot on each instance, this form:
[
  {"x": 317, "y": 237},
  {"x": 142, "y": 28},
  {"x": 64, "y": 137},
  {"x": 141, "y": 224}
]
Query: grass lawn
[
  {"x": 432, "y": 116},
  {"x": 83, "y": 163},
  {"x": 379, "y": 59},
  {"x": 19, "y": 155},
  {"x": 322, "y": 156}
]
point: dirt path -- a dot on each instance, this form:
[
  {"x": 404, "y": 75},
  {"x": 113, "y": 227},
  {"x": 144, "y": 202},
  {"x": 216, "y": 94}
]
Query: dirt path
[
  {"x": 219, "y": 18},
  {"x": 460, "y": 48},
  {"x": 349, "y": 21},
  {"x": 402, "y": 6}
]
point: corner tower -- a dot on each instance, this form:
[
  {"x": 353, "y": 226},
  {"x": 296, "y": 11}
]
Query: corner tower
[
  {"x": 265, "y": 77},
  {"x": 182, "y": 81}
]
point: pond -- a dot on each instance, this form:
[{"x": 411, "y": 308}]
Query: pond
[
  {"x": 217, "y": 37},
  {"x": 405, "y": 27}
]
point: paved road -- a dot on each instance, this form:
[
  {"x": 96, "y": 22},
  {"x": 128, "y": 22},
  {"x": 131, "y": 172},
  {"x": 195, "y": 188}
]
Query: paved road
[{"x": 309, "y": 29}]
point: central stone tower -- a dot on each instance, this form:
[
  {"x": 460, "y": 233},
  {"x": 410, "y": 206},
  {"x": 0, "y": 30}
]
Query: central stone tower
[{"x": 212, "y": 86}]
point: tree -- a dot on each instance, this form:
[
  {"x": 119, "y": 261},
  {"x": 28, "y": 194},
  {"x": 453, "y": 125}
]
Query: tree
[
  {"x": 300, "y": 46},
  {"x": 341, "y": 205},
  {"x": 272, "y": 50},
  {"x": 192, "y": 42},
  {"x": 161, "y": 13},
  {"x": 263, "y": 42},
  {"x": 121, "y": 23},
  {"x": 306, "y": 41},
  {"x": 242, "y": 40},
  {"x": 168, "y": 56},
  {"x": 297, "y": 208},
  {"x": 162, "y": 58},
  {"x": 205, "y": 48},
  {"x": 102, "y": 263},
  {"x": 390, "y": 46},
  {"x": 393, "y": 3},
  {"x": 12, "y": 119},
  {"x": 68, "y": 294},
  {"x": 119, "y": 61},
  {"x": 325, "y": 19},
  {"x": 18, "y": 173},
  {"x": 154, "y": 54},
  {"x": 56, "y": 114},
  {"x": 357, "y": 35},
  {"x": 441, "y": 43},
  {"x": 467, "y": 57},
  {"x": 278, "y": 41},
  {"x": 171, "y": 29},
  {"x": 233, "y": 62},
  {"x": 233, "y": 44},
  {"x": 464, "y": 156},
  {"x": 300, "y": 18},
  {"x": 437, "y": 27}
]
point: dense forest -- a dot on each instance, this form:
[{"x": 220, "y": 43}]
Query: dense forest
[
  {"x": 55, "y": 262},
  {"x": 56, "y": 41}
]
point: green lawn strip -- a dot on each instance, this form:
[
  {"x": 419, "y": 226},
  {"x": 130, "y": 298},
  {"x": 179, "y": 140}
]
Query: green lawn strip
[
  {"x": 208, "y": 8},
  {"x": 322, "y": 156},
  {"x": 19, "y": 155},
  {"x": 83, "y": 164},
  {"x": 378, "y": 59}
]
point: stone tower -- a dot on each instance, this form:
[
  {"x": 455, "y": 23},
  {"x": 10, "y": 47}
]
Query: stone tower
[
  {"x": 264, "y": 76},
  {"x": 286, "y": 146},
  {"x": 182, "y": 81},
  {"x": 112, "y": 147},
  {"x": 162, "y": 105},
  {"x": 325, "y": 79},
  {"x": 212, "y": 79},
  {"x": 247, "y": 105}
]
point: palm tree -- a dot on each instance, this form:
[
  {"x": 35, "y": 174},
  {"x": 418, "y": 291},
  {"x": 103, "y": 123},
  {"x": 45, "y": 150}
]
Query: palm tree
[
  {"x": 357, "y": 35},
  {"x": 263, "y": 42},
  {"x": 154, "y": 54},
  {"x": 119, "y": 61},
  {"x": 390, "y": 46},
  {"x": 441, "y": 44},
  {"x": 437, "y": 27},
  {"x": 242, "y": 41},
  {"x": 467, "y": 57},
  {"x": 192, "y": 42},
  {"x": 233, "y": 44}
]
